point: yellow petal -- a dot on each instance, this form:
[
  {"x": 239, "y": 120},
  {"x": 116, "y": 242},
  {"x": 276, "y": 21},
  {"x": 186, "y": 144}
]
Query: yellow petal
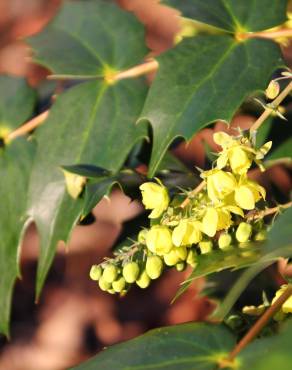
[
  {"x": 210, "y": 222},
  {"x": 244, "y": 197},
  {"x": 264, "y": 150},
  {"x": 222, "y": 139},
  {"x": 239, "y": 160},
  {"x": 222, "y": 160},
  {"x": 74, "y": 183}
]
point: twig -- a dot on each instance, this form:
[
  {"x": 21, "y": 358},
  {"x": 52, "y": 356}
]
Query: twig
[
  {"x": 29, "y": 126},
  {"x": 268, "y": 211},
  {"x": 260, "y": 324},
  {"x": 284, "y": 32},
  {"x": 270, "y": 108},
  {"x": 193, "y": 193},
  {"x": 142, "y": 69}
]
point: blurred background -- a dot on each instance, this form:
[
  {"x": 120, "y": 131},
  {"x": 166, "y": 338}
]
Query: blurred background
[{"x": 74, "y": 319}]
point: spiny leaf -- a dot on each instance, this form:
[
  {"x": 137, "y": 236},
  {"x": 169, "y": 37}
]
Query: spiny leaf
[
  {"x": 189, "y": 346},
  {"x": 17, "y": 101},
  {"x": 87, "y": 170},
  {"x": 92, "y": 123},
  {"x": 88, "y": 37},
  {"x": 232, "y": 16},
  {"x": 204, "y": 79},
  {"x": 220, "y": 260},
  {"x": 15, "y": 165}
]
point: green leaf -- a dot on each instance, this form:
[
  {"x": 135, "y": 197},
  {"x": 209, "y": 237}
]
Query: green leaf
[
  {"x": 95, "y": 192},
  {"x": 204, "y": 79},
  {"x": 15, "y": 165},
  {"x": 87, "y": 170},
  {"x": 269, "y": 353},
  {"x": 17, "y": 101},
  {"x": 282, "y": 151},
  {"x": 92, "y": 123},
  {"x": 220, "y": 260},
  {"x": 88, "y": 37},
  {"x": 232, "y": 16},
  {"x": 189, "y": 346}
]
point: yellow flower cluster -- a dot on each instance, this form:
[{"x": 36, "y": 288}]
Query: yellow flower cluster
[{"x": 213, "y": 218}]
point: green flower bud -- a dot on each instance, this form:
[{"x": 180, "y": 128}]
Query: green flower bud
[
  {"x": 110, "y": 273},
  {"x": 171, "y": 258},
  {"x": 111, "y": 291},
  {"x": 119, "y": 284},
  {"x": 181, "y": 253},
  {"x": 243, "y": 232},
  {"x": 95, "y": 272},
  {"x": 260, "y": 236},
  {"x": 192, "y": 258},
  {"x": 144, "y": 280},
  {"x": 131, "y": 272},
  {"x": 154, "y": 266},
  {"x": 206, "y": 246},
  {"x": 224, "y": 241},
  {"x": 104, "y": 285},
  {"x": 180, "y": 266}
]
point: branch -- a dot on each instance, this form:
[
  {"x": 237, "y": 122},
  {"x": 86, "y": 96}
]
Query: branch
[
  {"x": 193, "y": 193},
  {"x": 268, "y": 211},
  {"x": 270, "y": 108},
  {"x": 260, "y": 324},
  {"x": 284, "y": 32},
  {"x": 29, "y": 126}
]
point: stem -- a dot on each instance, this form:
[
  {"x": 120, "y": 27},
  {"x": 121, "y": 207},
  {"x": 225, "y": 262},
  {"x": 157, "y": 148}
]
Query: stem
[
  {"x": 29, "y": 126},
  {"x": 193, "y": 193},
  {"x": 268, "y": 211},
  {"x": 285, "y": 32},
  {"x": 150, "y": 66},
  {"x": 261, "y": 323},
  {"x": 269, "y": 109}
]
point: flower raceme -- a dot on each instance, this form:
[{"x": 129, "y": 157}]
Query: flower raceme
[{"x": 215, "y": 217}]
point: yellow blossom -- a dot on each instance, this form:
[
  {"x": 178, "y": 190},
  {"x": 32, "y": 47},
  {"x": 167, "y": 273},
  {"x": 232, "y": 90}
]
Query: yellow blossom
[
  {"x": 219, "y": 218},
  {"x": 219, "y": 184},
  {"x": 158, "y": 240},
  {"x": 155, "y": 197},
  {"x": 287, "y": 306},
  {"x": 247, "y": 193},
  {"x": 235, "y": 152},
  {"x": 187, "y": 232}
]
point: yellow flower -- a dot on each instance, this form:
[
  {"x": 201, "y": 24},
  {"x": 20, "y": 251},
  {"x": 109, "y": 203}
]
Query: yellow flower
[
  {"x": 158, "y": 240},
  {"x": 287, "y": 306},
  {"x": 247, "y": 193},
  {"x": 219, "y": 218},
  {"x": 187, "y": 232},
  {"x": 219, "y": 184},
  {"x": 155, "y": 197},
  {"x": 236, "y": 153}
]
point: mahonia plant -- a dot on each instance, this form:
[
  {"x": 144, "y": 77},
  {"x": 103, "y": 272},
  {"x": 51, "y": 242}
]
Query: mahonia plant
[{"x": 218, "y": 214}]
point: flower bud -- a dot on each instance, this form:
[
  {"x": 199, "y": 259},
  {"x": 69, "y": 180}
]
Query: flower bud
[
  {"x": 131, "y": 272},
  {"x": 192, "y": 258},
  {"x": 181, "y": 253},
  {"x": 272, "y": 90},
  {"x": 111, "y": 291},
  {"x": 243, "y": 232},
  {"x": 206, "y": 246},
  {"x": 142, "y": 236},
  {"x": 104, "y": 285},
  {"x": 143, "y": 281},
  {"x": 110, "y": 273},
  {"x": 224, "y": 241},
  {"x": 171, "y": 258},
  {"x": 154, "y": 266},
  {"x": 119, "y": 284},
  {"x": 158, "y": 240},
  {"x": 155, "y": 197},
  {"x": 260, "y": 236},
  {"x": 180, "y": 266},
  {"x": 95, "y": 272}
]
